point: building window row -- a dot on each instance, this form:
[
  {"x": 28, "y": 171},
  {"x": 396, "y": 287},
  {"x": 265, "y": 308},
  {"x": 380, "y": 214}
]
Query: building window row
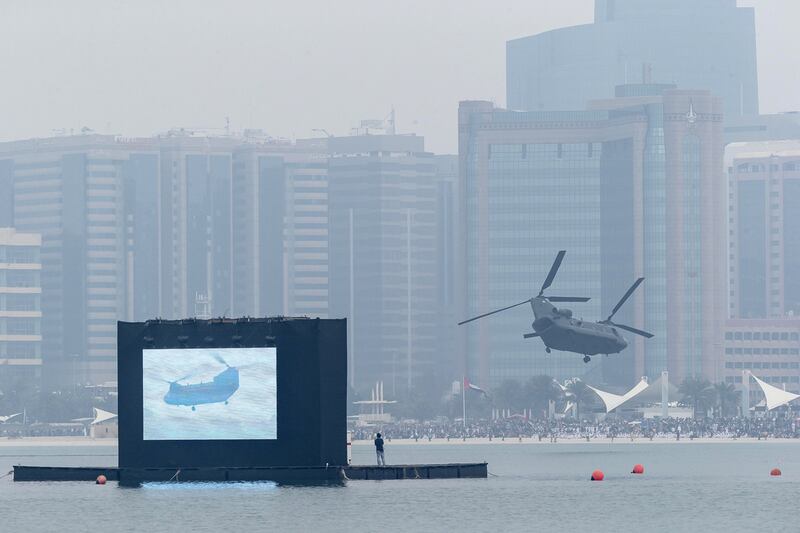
[
  {"x": 19, "y": 254},
  {"x": 762, "y": 336},
  {"x": 762, "y": 351},
  {"x": 769, "y": 379},
  {"x": 745, "y": 168},
  {"x": 19, "y": 278},
  {"x": 748, "y": 365}
]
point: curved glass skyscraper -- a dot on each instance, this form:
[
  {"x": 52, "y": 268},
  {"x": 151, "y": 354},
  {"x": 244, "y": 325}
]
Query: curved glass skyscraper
[{"x": 704, "y": 44}]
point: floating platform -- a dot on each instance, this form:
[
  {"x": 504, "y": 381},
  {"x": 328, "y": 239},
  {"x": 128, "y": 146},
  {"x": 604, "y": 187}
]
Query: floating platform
[{"x": 287, "y": 474}]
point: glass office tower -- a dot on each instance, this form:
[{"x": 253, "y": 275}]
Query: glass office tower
[
  {"x": 707, "y": 44},
  {"x": 629, "y": 188}
]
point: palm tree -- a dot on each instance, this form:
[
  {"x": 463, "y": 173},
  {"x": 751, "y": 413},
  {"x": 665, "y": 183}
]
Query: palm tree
[
  {"x": 727, "y": 397},
  {"x": 579, "y": 394},
  {"x": 698, "y": 393},
  {"x": 540, "y": 391}
]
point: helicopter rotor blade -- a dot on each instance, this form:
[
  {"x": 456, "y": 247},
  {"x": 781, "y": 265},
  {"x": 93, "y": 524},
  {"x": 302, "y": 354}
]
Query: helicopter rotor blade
[
  {"x": 643, "y": 333},
  {"x": 187, "y": 376},
  {"x": 553, "y": 271},
  {"x": 495, "y": 311},
  {"x": 624, "y": 298},
  {"x": 219, "y": 359},
  {"x": 567, "y": 299}
]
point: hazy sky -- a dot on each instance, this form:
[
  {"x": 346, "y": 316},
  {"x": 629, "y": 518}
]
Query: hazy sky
[{"x": 141, "y": 67}]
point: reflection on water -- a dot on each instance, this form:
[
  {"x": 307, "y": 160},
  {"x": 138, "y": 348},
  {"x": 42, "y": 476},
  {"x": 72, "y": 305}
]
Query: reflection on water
[{"x": 215, "y": 486}]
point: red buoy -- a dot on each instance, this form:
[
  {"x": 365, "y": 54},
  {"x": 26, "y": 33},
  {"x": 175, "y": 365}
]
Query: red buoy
[
  {"x": 101, "y": 480},
  {"x": 637, "y": 469},
  {"x": 598, "y": 475},
  {"x": 775, "y": 472}
]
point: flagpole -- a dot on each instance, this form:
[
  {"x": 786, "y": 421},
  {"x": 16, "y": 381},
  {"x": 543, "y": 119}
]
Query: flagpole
[{"x": 464, "y": 401}]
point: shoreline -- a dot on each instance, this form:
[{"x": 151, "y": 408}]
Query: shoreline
[
  {"x": 56, "y": 441},
  {"x": 576, "y": 441},
  {"x": 112, "y": 443}
]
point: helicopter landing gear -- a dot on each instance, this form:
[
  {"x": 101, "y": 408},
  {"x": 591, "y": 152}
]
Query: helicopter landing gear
[
  {"x": 226, "y": 402},
  {"x": 586, "y": 358},
  {"x": 547, "y": 349},
  {"x": 193, "y": 408}
]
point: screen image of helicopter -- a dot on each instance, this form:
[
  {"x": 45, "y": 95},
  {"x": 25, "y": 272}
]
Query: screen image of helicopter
[
  {"x": 202, "y": 394},
  {"x": 559, "y": 330},
  {"x": 223, "y": 386}
]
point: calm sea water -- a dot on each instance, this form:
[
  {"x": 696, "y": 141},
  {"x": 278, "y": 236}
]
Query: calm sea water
[{"x": 534, "y": 487}]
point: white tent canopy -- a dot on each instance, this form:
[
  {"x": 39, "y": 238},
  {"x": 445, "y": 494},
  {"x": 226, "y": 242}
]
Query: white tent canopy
[
  {"x": 654, "y": 392},
  {"x": 101, "y": 416},
  {"x": 612, "y": 401},
  {"x": 774, "y": 396}
]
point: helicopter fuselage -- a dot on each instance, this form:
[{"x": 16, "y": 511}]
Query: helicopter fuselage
[
  {"x": 218, "y": 390},
  {"x": 559, "y": 330}
]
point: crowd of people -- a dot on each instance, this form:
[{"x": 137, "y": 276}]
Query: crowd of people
[
  {"x": 501, "y": 429},
  {"x": 10, "y": 430}
]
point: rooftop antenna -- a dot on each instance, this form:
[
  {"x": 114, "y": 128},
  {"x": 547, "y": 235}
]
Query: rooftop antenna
[{"x": 227, "y": 125}]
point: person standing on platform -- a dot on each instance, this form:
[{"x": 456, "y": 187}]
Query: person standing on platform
[{"x": 379, "y": 450}]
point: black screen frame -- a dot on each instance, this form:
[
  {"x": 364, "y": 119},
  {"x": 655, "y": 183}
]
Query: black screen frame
[{"x": 311, "y": 366}]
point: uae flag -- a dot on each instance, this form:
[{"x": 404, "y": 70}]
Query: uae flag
[{"x": 468, "y": 385}]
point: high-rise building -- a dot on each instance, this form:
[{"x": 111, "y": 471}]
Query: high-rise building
[
  {"x": 69, "y": 190},
  {"x": 306, "y": 232},
  {"x": 705, "y": 44},
  {"x": 382, "y": 195},
  {"x": 764, "y": 209},
  {"x": 280, "y": 214},
  {"x": 632, "y": 187},
  {"x": 450, "y": 364},
  {"x": 20, "y": 308},
  {"x": 769, "y": 348},
  {"x": 196, "y": 174},
  {"x": 144, "y": 275},
  {"x": 184, "y": 225},
  {"x": 761, "y": 128},
  {"x": 6, "y": 193},
  {"x": 173, "y": 226}
]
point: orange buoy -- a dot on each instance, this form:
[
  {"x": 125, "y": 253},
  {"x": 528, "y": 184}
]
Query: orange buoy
[
  {"x": 101, "y": 480},
  {"x": 637, "y": 469},
  {"x": 598, "y": 475},
  {"x": 775, "y": 472}
]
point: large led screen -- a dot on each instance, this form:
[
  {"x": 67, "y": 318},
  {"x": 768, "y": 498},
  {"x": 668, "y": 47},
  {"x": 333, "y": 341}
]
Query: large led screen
[{"x": 210, "y": 394}]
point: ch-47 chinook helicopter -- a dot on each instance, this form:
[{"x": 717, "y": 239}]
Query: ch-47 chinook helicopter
[
  {"x": 218, "y": 390},
  {"x": 560, "y": 331}
]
